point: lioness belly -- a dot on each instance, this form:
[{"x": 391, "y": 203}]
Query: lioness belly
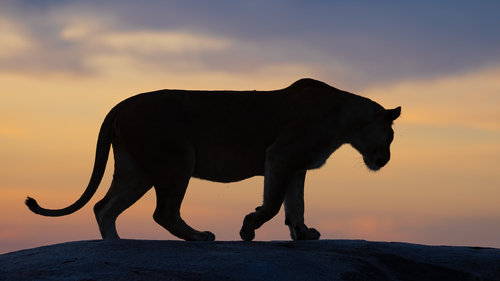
[{"x": 229, "y": 165}]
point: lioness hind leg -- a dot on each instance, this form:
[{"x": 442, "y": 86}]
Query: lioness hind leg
[
  {"x": 294, "y": 210},
  {"x": 129, "y": 184},
  {"x": 169, "y": 196},
  {"x": 124, "y": 192}
]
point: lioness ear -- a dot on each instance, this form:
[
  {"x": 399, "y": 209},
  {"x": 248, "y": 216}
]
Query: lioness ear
[{"x": 393, "y": 114}]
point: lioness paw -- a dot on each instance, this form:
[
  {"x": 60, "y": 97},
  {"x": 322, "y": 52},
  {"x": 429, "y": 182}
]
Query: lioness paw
[
  {"x": 312, "y": 234},
  {"x": 206, "y": 236},
  {"x": 247, "y": 234},
  {"x": 305, "y": 234}
]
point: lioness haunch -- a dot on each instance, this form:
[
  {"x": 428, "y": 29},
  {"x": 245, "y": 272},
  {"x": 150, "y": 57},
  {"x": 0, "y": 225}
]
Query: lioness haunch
[{"x": 164, "y": 138}]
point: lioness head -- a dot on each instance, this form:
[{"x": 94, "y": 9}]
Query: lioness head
[{"x": 374, "y": 139}]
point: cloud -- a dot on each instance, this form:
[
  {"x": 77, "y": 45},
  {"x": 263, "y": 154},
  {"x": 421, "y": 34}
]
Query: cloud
[
  {"x": 12, "y": 40},
  {"x": 355, "y": 45},
  {"x": 106, "y": 32},
  {"x": 173, "y": 42},
  {"x": 104, "y": 49},
  {"x": 372, "y": 42},
  {"x": 86, "y": 40}
]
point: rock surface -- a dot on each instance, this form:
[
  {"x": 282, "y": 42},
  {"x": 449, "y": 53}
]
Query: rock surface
[{"x": 238, "y": 260}]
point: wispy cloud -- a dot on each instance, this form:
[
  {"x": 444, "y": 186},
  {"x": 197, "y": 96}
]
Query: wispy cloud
[
  {"x": 351, "y": 44},
  {"x": 12, "y": 40}
]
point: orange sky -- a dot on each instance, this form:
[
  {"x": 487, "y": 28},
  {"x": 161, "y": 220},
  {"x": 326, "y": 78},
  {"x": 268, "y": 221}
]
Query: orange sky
[{"x": 441, "y": 186}]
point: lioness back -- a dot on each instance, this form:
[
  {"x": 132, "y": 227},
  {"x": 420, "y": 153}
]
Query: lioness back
[{"x": 229, "y": 130}]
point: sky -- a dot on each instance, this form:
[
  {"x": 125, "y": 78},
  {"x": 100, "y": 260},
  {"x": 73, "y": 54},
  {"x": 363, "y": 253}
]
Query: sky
[{"x": 65, "y": 64}]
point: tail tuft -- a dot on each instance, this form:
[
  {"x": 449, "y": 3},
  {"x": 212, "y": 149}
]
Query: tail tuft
[{"x": 32, "y": 204}]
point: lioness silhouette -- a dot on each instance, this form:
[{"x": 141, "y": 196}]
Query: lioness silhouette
[{"x": 164, "y": 138}]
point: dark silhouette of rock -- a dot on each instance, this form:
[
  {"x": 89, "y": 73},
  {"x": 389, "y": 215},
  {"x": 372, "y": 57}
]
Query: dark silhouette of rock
[{"x": 238, "y": 260}]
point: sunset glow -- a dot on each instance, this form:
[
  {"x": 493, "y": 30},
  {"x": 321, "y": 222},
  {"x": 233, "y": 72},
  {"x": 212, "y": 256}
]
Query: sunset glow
[{"x": 65, "y": 64}]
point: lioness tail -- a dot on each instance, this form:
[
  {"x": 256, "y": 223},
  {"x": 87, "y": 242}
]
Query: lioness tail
[{"x": 106, "y": 135}]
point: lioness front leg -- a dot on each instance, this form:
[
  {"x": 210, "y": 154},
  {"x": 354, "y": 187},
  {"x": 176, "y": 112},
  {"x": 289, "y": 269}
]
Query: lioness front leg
[
  {"x": 275, "y": 186},
  {"x": 294, "y": 210}
]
